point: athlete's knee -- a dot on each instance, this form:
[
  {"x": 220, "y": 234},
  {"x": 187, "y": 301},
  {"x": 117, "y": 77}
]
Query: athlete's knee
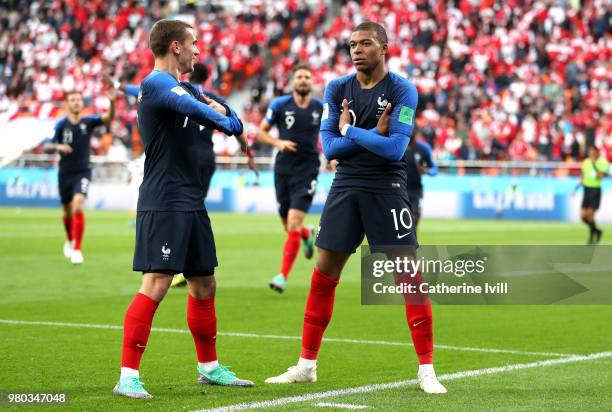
[
  {"x": 331, "y": 263},
  {"x": 155, "y": 286},
  {"x": 202, "y": 286}
]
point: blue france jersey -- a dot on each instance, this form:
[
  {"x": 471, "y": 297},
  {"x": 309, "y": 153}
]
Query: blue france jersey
[
  {"x": 78, "y": 137},
  {"x": 419, "y": 154},
  {"x": 300, "y": 126},
  {"x": 171, "y": 120},
  {"x": 381, "y": 167}
]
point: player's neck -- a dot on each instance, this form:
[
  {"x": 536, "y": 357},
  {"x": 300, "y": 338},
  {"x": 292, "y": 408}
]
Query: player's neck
[
  {"x": 74, "y": 118},
  {"x": 168, "y": 65},
  {"x": 371, "y": 79},
  {"x": 302, "y": 100}
]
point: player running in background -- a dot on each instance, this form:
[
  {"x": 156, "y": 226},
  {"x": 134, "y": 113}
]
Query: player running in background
[
  {"x": 72, "y": 139},
  {"x": 419, "y": 162},
  {"x": 297, "y": 117},
  {"x": 173, "y": 231},
  {"x": 368, "y": 193},
  {"x": 594, "y": 169}
]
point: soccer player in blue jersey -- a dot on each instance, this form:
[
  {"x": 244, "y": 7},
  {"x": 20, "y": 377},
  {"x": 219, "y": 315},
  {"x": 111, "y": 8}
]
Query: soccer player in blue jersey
[
  {"x": 72, "y": 139},
  {"x": 368, "y": 194},
  {"x": 173, "y": 231},
  {"x": 297, "y": 117},
  {"x": 419, "y": 162}
]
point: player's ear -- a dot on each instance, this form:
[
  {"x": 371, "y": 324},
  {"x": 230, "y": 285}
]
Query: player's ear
[
  {"x": 384, "y": 49},
  {"x": 175, "y": 47}
]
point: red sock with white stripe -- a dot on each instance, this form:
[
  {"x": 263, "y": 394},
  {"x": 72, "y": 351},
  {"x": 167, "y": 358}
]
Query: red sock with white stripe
[
  {"x": 319, "y": 309},
  {"x": 78, "y": 228},
  {"x": 420, "y": 320},
  {"x": 290, "y": 251},
  {"x": 136, "y": 330}
]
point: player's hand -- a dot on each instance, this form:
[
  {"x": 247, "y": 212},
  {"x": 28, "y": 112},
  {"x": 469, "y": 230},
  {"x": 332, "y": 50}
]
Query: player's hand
[
  {"x": 345, "y": 117},
  {"x": 285, "y": 146},
  {"x": 215, "y": 105},
  {"x": 253, "y": 166},
  {"x": 330, "y": 165},
  {"x": 64, "y": 149},
  {"x": 111, "y": 93},
  {"x": 382, "y": 127}
]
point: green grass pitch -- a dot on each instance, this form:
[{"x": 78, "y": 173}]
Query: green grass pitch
[{"x": 40, "y": 285}]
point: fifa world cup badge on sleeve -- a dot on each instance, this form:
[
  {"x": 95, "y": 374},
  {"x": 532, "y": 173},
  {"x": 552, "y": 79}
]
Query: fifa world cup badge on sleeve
[{"x": 406, "y": 115}]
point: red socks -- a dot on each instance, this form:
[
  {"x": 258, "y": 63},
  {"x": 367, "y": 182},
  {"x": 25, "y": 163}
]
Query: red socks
[
  {"x": 319, "y": 308},
  {"x": 419, "y": 317},
  {"x": 78, "y": 227},
  {"x": 68, "y": 227},
  {"x": 136, "y": 329},
  {"x": 290, "y": 251},
  {"x": 202, "y": 321},
  {"x": 305, "y": 233}
]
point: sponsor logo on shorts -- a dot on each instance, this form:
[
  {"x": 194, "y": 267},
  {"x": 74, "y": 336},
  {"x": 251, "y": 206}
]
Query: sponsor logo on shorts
[{"x": 166, "y": 252}]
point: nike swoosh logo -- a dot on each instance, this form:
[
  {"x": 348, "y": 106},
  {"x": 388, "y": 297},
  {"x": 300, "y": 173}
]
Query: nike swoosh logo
[
  {"x": 402, "y": 236},
  {"x": 140, "y": 346},
  {"x": 414, "y": 325}
]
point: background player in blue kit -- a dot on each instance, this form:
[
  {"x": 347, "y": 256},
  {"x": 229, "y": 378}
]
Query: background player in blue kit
[
  {"x": 297, "y": 117},
  {"x": 173, "y": 231},
  {"x": 368, "y": 194},
  {"x": 72, "y": 139},
  {"x": 419, "y": 162}
]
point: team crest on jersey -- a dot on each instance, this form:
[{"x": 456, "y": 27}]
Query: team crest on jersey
[
  {"x": 315, "y": 117},
  {"x": 382, "y": 105},
  {"x": 83, "y": 127}
]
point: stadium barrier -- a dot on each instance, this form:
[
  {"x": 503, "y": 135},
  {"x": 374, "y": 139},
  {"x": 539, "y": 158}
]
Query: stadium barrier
[{"x": 502, "y": 195}]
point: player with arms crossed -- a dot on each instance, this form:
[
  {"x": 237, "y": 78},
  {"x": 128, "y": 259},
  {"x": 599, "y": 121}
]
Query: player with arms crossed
[
  {"x": 298, "y": 118},
  {"x": 72, "y": 139},
  {"x": 173, "y": 231},
  {"x": 368, "y": 194}
]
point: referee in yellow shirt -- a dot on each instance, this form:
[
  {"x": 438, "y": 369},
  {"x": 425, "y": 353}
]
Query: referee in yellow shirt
[{"x": 594, "y": 168}]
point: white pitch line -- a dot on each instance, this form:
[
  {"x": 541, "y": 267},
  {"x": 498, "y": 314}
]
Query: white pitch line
[
  {"x": 392, "y": 385},
  {"x": 339, "y": 405},
  {"x": 258, "y": 336}
]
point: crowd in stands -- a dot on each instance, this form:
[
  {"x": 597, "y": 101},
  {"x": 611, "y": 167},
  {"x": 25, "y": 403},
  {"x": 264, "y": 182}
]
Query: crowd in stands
[{"x": 516, "y": 80}]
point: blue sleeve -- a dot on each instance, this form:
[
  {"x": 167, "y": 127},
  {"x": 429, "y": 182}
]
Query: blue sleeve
[
  {"x": 401, "y": 125},
  {"x": 165, "y": 92},
  {"x": 428, "y": 159},
  {"x": 131, "y": 90},
  {"x": 272, "y": 112},
  {"x": 93, "y": 121},
  {"x": 57, "y": 131},
  {"x": 335, "y": 146}
]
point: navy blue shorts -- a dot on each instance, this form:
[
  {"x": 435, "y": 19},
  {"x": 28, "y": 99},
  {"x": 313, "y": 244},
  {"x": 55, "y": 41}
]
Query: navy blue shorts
[
  {"x": 386, "y": 220},
  {"x": 73, "y": 183},
  {"x": 294, "y": 191},
  {"x": 414, "y": 198},
  {"x": 175, "y": 242}
]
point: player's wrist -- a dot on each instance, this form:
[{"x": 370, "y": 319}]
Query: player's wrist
[{"x": 344, "y": 129}]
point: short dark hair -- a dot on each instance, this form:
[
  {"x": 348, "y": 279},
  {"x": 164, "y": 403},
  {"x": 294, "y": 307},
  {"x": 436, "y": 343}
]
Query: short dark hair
[
  {"x": 199, "y": 73},
  {"x": 381, "y": 33},
  {"x": 301, "y": 66},
  {"x": 69, "y": 93},
  {"x": 164, "y": 32}
]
